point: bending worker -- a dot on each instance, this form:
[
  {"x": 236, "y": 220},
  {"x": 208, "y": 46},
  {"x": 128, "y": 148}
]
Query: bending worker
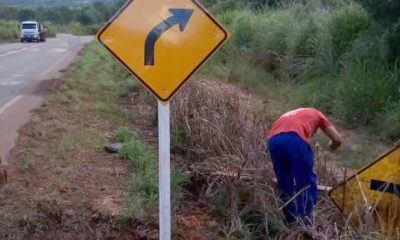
[{"x": 293, "y": 160}]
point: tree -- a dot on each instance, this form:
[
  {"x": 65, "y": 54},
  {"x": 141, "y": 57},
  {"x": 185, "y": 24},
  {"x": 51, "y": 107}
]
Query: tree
[
  {"x": 102, "y": 9},
  {"x": 26, "y": 14},
  {"x": 84, "y": 18},
  {"x": 386, "y": 10}
]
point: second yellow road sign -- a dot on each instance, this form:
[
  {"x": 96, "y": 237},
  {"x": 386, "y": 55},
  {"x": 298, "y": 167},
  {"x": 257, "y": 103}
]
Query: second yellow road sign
[
  {"x": 162, "y": 42},
  {"x": 373, "y": 194}
]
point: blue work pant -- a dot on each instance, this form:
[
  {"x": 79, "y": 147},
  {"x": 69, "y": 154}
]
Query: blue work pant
[{"x": 293, "y": 163}]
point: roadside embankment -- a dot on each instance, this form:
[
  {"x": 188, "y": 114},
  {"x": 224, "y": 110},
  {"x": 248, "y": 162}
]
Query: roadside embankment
[
  {"x": 341, "y": 57},
  {"x": 63, "y": 184}
]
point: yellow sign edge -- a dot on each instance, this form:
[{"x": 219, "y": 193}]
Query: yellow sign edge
[
  {"x": 380, "y": 158},
  {"x": 196, "y": 69}
]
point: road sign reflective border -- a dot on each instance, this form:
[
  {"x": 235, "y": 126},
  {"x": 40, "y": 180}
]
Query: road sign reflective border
[
  {"x": 374, "y": 189},
  {"x": 186, "y": 78}
]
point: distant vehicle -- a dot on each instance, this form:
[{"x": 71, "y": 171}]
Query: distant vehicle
[{"x": 33, "y": 31}]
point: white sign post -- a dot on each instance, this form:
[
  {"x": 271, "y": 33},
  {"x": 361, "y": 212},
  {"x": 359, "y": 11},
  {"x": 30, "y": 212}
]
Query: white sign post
[{"x": 164, "y": 143}]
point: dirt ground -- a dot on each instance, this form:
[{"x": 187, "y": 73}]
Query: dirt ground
[
  {"x": 59, "y": 188},
  {"x": 63, "y": 185}
]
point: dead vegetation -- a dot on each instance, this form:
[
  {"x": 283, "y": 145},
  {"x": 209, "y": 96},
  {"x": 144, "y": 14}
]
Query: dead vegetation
[{"x": 223, "y": 147}]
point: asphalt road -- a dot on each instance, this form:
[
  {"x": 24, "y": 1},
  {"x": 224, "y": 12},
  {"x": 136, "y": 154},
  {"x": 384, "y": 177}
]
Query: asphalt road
[{"x": 23, "y": 66}]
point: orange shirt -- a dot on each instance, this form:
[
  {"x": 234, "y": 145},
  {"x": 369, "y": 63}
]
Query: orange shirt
[{"x": 303, "y": 121}]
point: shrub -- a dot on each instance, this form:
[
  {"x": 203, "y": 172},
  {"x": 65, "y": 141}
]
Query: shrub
[
  {"x": 347, "y": 22},
  {"x": 333, "y": 55},
  {"x": 243, "y": 28},
  {"x": 272, "y": 29},
  {"x": 369, "y": 83},
  {"x": 304, "y": 42},
  {"x": 393, "y": 40}
]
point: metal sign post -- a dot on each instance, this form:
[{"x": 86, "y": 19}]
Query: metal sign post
[{"x": 164, "y": 143}]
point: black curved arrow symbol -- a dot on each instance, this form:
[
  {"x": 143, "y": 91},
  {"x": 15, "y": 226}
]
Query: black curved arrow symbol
[{"x": 179, "y": 16}]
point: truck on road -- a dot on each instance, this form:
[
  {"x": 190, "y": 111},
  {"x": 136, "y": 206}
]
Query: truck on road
[{"x": 33, "y": 31}]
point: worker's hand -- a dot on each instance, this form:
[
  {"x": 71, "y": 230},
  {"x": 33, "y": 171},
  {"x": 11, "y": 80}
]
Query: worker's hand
[
  {"x": 334, "y": 135},
  {"x": 334, "y": 145}
]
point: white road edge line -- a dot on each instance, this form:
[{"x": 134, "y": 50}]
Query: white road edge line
[{"x": 9, "y": 104}]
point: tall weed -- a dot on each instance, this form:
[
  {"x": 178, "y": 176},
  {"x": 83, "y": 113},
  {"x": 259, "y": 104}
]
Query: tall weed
[
  {"x": 333, "y": 55},
  {"x": 9, "y": 30},
  {"x": 346, "y": 23}
]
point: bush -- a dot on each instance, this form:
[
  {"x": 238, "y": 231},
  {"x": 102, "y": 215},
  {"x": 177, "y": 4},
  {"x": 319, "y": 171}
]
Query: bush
[
  {"x": 393, "y": 40},
  {"x": 330, "y": 55},
  {"x": 384, "y": 10},
  {"x": 243, "y": 28},
  {"x": 369, "y": 81},
  {"x": 272, "y": 30},
  {"x": 347, "y": 22}
]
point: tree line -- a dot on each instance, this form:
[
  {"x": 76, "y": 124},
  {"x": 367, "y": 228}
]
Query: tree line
[
  {"x": 94, "y": 13},
  {"x": 385, "y": 12},
  {"x": 53, "y": 3}
]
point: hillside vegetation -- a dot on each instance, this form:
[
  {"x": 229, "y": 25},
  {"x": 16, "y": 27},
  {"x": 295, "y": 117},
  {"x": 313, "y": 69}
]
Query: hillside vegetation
[
  {"x": 50, "y": 3},
  {"x": 339, "y": 56},
  {"x": 86, "y": 19},
  {"x": 8, "y": 30}
]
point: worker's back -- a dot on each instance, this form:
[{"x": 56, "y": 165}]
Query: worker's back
[{"x": 303, "y": 121}]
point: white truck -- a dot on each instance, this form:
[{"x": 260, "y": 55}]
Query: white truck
[{"x": 33, "y": 31}]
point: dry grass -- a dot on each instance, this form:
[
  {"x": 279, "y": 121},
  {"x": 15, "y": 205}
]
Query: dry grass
[
  {"x": 218, "y": 132},
  {"x": 224, "y": 146}
]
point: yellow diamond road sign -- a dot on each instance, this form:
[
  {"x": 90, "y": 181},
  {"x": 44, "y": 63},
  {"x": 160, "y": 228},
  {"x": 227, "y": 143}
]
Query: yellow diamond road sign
[
  {"x": 373, "y": 193},
  {"x": 162, "y": 42}
]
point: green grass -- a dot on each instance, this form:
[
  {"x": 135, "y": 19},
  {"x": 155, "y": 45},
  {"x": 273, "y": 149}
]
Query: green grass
[
  {"x": 357, "y": 159},
  {"x": 9, "y": 30},
  {"x": 143, "y": 198},
  {"x": 332, "y": 56},
  {"x": 65, "y": 144}
]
